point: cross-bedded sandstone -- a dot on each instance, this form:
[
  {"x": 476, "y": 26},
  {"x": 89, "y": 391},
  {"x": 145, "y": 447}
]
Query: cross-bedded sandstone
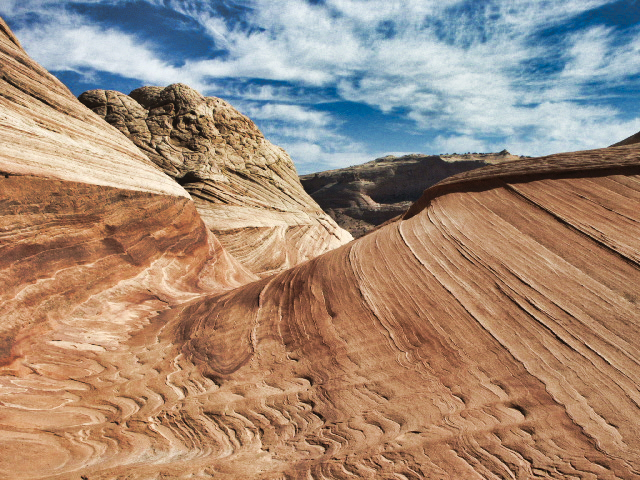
[
  {"x": 493, "y": 332},
  {"x": 245, "y": 188}
]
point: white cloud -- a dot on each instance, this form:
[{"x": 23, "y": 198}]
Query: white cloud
[
  {"x": 308, "y": 135},
  {"x": 460, "y": 144},
  {"x": 445, "y": 67},
  {"x": 75, "y": 45},
  {"x": 287, "y": 113},
  {"x": 311, "y": 157}
]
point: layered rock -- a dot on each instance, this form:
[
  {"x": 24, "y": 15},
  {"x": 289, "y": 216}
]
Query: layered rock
[
  {"x": 364, "y": 196},
  {"x": 95, "y": 241},
  {"x": 245, "y": 189},
  {"x": 492, "y": 332}
]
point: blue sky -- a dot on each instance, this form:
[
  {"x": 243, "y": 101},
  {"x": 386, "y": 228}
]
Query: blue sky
[{"x": 340, "y": 82}]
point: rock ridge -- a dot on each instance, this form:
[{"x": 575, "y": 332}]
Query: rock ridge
[
  {"x": 493, "y": 334},
  {"x": 584, "y": 163},
  {"x": 41, "y": 113},
  {"x": 364, "y": 196}
]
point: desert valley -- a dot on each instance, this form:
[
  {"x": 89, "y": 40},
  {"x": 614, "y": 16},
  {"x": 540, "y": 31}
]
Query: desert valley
[{"x": 175, "y": 305}]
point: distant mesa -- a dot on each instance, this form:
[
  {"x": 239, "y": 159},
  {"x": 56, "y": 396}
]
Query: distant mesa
[
  {"x": 245, "y": 188},
  {"x": 362, "y": 197},
  {"x": 635, "y": 138}
]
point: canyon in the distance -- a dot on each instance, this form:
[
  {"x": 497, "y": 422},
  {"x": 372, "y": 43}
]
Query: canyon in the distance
[
  {"x": 173, "y": 305},
  {"x": 362, "y": 197}
]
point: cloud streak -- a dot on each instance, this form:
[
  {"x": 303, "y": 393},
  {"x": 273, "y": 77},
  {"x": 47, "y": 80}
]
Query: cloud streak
[{"x": 502, "y": 73}]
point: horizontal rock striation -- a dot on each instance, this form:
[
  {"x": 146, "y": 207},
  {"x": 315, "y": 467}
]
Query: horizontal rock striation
[
  {"x": 363, "y": 196},
  {"x": 246, "y": 189}
]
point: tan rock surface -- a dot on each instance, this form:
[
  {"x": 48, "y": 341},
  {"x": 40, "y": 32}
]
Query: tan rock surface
[
  {"x": 45, "y": 132},
  {"x": 83, "y": 267},
  {"x": 493, "y": 333},
  {"x": 364, "y": 196},
  {"x": 245, "y": 188}
]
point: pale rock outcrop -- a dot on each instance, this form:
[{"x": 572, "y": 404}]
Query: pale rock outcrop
[
  {"x": 361, "y": 197},
  {"x": 245, "y": 188},
  {"x": 45, "y": 132}
]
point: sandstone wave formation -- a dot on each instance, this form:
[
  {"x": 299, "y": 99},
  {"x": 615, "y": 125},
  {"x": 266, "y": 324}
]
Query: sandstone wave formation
[
  {"x": 245, "y": 189},
  {"x": 361, "y": 197},
  {"x": 492, "y": 332}
]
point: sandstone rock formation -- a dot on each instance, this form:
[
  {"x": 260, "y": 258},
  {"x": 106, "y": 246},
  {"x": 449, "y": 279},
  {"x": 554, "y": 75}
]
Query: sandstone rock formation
[
  {"x": 245, "y": 189},
  {"x": 95, "y": 242},
  {"x": 493, "y": 332},
  {"x": 364, "y": 196}
]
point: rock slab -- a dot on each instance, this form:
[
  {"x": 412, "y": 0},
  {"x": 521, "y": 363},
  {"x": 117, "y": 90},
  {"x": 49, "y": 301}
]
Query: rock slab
[{"x": 491, "y": 332}]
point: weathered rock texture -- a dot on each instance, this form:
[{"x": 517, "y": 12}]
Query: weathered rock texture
[
  {"x": 363, "y": 196},
  {"x": 494, "y": 332},
  {"x": 246, "y": 189},
  {"x": 95, "y": 241}
]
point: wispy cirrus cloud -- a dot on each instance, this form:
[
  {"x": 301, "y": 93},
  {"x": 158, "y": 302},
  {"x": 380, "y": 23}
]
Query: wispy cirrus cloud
[{"x": 534, "y": 76}]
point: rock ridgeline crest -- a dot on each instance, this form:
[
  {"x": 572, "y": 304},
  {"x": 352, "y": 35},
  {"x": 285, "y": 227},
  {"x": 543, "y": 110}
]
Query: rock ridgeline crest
[
  {"x": 246, "y": 189},
  {"x": 364, "y": 196},
  {"x": 635, "y": 138}
]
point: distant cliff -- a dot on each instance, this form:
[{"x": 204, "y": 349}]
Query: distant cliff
[{"x": 364, "y": 196}]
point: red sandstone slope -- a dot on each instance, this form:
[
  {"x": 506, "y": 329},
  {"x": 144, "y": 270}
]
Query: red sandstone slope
[
  {"x": 94, "y": 242},
  {"x": 493, "y": 333}
]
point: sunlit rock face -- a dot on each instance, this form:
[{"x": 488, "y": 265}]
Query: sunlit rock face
[
  {"x": 364, "y": 196},
  {"x": 95, "y": 242},
  {"x": 245, "y": 188},
  {"x": 493, "y": 331}
]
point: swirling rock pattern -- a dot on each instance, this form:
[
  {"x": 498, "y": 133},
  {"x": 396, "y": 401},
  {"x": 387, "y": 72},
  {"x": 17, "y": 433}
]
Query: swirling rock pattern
[
  {"x": 95, "y": 241},
  {"x": 493, "y": 332},
  {"x": 245, "y": 188}
]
